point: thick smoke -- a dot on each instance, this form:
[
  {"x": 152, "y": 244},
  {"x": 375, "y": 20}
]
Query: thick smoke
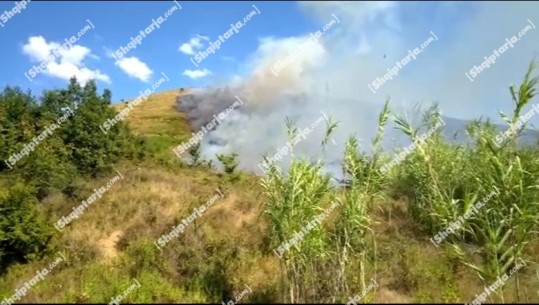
[{"x": 331, "y": 76}]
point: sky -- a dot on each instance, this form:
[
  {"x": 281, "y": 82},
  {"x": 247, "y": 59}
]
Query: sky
[
  {"x": 368, "y": 39},
  {"x": 41, "y": 24}
]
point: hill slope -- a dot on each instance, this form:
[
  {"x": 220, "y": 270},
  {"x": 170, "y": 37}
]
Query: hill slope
[{"x": 223, "y": 250}]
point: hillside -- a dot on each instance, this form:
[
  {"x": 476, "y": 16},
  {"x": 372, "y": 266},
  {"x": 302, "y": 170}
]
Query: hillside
[
  {"x": 226, "y": 248},
  {"x": 269, "y": 152}
]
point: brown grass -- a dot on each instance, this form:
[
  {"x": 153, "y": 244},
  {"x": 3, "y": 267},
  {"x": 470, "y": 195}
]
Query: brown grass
[
  {"x": 157, "y": 115},
  {"x": 151, "y": 199}
]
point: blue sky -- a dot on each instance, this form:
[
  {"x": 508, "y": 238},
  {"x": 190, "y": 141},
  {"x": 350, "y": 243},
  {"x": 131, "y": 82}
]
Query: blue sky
[
  {"x": 116, "y": 22},
  {"x": 369, "y": 39}
]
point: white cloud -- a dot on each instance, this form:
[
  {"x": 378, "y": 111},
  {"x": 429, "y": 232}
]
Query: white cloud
[
  {"x": 193, "y": 44},
  {"x": 83, "y": 74},
  {"x": 75, "y": 55},
  {"x": 134, "y": 67},
  {"x": 194, "y": 74},
  {"x": 38, "y": 49},
  {"x": 62, "y": 63}
]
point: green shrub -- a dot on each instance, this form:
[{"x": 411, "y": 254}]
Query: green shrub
[
  {"x": 229, "y": 162},
  {"x": 24, "y": 233}
]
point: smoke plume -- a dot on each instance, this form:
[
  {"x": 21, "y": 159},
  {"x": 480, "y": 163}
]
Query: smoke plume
[{"x": 331, "y": 75}]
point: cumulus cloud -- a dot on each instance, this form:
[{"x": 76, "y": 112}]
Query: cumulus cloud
[
  {"x": 62, "y": 61},
  {"x": 194, "y": 74},
  {"x": 192, "y": 45},
  {"x": 38, "y": 48},
  {"x": 136, "y": 68}
]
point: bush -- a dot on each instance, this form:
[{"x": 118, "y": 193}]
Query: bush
[
  {"x": 24, "y": 234},
  {"x": 229, "y": 162},
  {"x": 76, "y": 148}
]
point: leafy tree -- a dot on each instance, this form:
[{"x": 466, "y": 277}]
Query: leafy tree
[
  {"x": 93, "y": 150},
  {"x": 17, "y": 113},
  {"x": 76, "y": 147}
]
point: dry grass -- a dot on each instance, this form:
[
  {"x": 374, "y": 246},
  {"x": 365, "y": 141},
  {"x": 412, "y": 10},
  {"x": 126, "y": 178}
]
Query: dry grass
[
  {"x": 157, "y": 115},
  {"x": 151, "y": 199},
  {"x": 159, "y": 122},
  {"x": 108, "y": 246}
]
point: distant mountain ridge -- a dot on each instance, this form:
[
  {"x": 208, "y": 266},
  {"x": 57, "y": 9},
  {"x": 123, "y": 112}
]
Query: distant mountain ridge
[{"x": 455, "y": 130}]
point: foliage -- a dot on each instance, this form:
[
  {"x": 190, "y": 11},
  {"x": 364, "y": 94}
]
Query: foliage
[
  {"x": 446, "y": 181},
  {"x": 76, "y": 148},
  {"x": 24, "y": 234},
  {"x": 229, "y": 162}
]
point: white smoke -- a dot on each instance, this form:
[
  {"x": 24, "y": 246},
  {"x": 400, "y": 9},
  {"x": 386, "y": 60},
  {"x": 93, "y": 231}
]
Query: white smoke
[{"x": 332, "y": 75}]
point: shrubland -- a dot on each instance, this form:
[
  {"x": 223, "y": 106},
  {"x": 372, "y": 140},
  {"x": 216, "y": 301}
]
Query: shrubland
[{"x": 378, "y": 226}]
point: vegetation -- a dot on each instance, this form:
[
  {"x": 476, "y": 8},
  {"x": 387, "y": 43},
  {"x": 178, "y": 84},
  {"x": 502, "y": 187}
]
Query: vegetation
[
  {"x": 375, "y": 226},
  {"x": 76, "y": 148}
]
